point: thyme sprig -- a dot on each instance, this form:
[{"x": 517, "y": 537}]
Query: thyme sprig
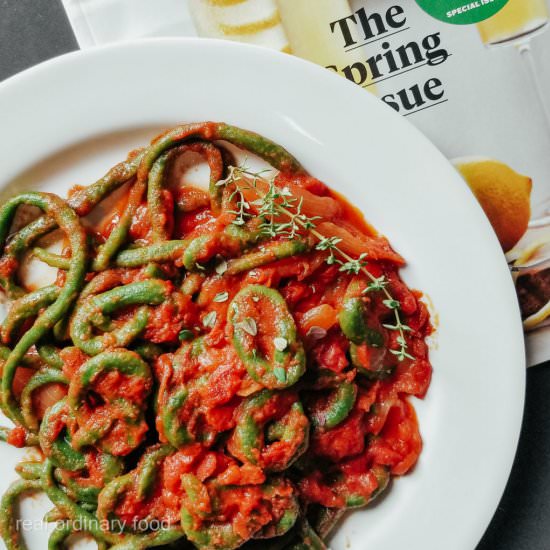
[
  {"x": 242, "y": 213},
  {"x": 276, "y": 201}
]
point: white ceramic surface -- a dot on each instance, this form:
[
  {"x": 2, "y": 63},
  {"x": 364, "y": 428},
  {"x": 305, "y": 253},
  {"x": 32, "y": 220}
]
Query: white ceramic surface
[{"x": 70, "y": 119}]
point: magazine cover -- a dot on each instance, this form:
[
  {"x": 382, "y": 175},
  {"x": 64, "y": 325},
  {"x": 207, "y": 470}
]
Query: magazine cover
[{"x": 271, "y": 272}]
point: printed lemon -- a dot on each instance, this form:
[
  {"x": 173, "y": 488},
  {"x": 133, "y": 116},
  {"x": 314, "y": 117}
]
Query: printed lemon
[{"x": 503, "y": 194}]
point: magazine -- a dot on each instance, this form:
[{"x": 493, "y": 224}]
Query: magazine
[{"x": 474, "y": 85}]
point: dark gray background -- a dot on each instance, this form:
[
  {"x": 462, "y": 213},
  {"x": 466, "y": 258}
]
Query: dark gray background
[{"x": 32, "y": 31}]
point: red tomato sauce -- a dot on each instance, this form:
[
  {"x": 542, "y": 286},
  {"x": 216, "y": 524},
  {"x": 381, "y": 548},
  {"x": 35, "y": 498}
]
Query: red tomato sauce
[{"x": 380, "y": 432}]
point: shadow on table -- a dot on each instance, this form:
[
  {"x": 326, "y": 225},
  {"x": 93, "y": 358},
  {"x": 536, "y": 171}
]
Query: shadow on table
[{"x": 522, "y": 520}]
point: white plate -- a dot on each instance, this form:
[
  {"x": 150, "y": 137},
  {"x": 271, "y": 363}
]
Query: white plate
[{"x": 68, "y": 120}]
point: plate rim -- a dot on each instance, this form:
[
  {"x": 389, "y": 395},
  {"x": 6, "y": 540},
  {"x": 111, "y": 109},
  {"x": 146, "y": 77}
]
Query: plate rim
[{"x": 32, "y": 73}]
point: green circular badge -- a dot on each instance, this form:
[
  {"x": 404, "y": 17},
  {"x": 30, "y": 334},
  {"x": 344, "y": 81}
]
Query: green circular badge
[{"x": 461, "y": 12}]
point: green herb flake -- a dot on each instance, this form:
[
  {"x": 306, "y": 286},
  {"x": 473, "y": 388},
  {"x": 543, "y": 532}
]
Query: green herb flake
[
  {"x": 249, "y": 326},
  {"x": 221, "y": 297},
  {"x": 209, "y": 319},
  {"x": 280, "y": 374},
  {"x": 316, "y": 333},
  {"x": 221, "y": 267},
  {"x": 280, "y": 343}
]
